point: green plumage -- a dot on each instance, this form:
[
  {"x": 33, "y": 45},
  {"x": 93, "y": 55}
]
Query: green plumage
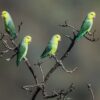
[
  {"x": 22, "y": 52},
  {"x": 9, "y": 24},
  {"x": 10, "y": 28},
  {"x": 85, "y": 28},
  {"x": 49, "y": 50},
  {"x": 51, "y": 47},
  {"x": 86, "y": 25}
]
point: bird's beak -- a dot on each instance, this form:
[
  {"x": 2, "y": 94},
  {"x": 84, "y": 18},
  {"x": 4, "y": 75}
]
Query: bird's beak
[
  {"x": 95, "y": 16},
  {"x": 30, "y": 41}
]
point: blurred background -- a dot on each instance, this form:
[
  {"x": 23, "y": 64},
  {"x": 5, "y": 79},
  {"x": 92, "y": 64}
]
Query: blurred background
[{"x": 40, "y": 20}]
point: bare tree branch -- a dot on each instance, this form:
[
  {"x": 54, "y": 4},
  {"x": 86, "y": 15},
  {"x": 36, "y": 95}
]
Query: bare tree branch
[
  {"x": 31, "y": 70},
  {"x": 14, "y": 49},
  {"x": 62, "y": 57},
  {"x": 89, "y": 33},
  {"x": 68, "y": 25},
  {"x": 28, "y": 87},
  {"x": 91, "y": 91},
  {"x": 19, "y": 26},
  {"x": 62, "y": 65},
  {"x": 59, "y": 93},
  {"x": 59, "y": 63}
]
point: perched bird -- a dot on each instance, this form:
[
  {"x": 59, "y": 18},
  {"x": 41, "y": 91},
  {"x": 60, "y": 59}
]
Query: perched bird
[
  {"x": 52, "y": 46},
  {"x": 9, "y": 24},
  {"x": 23, "y": 49},
  {"x": 86, "y": 25}
]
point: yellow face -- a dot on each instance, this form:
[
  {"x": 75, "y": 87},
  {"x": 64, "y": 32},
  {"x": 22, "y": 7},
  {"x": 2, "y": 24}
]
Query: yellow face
[
  {"x": 5, "y": 14},
  {"x": 27, "y": 39},
  {"x": 92, "y": 15},
  {"x": 57, "y": 37}
]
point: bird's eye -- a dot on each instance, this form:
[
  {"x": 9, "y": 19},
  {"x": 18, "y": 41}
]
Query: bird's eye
[
  {"x": 57, "y": 36},
  {"x": 4, "y": 13},
  {"x": 28, "y": 38},
  {"x": 92, "y": 14}
]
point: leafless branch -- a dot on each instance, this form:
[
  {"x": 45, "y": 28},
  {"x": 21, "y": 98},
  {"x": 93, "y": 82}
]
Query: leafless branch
[
  {"x": 14, "y": 49},
  {"x": 73, "y": 40},
  {"x": 70, "y": 26},
  {"x": 60, "y": 63},
  {"x": 91, "y": 91},
  {"x": 6, "y": 45},
  {"x": 28, "y": 87},
  {"x": 31, "y": 70},
  {"x": 59, "y": 93},
  {"x": 92, "y": 40},
  {"x": 19, "y": 26},
  {"x": 89, "y": 33},
  {"x": 10, "y": 58},
  {"x": 3, "y": 52}
]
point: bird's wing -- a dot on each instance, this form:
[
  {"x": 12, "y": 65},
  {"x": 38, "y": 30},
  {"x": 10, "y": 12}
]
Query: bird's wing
[
  {"x": 20, "y": 53},
  {"x": 11, "y": 26},
  {"x": 86, "y": 26},
  {"x": 47, "y": 50}
]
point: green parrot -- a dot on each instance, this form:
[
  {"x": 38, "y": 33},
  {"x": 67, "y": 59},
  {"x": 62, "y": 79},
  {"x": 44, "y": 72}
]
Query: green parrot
[
  {"x": 23, "y": 49},
  {"x": 52, "y": 46},
  {"x": 9, "y": 24},
  {"x": 86, "y": 25}
]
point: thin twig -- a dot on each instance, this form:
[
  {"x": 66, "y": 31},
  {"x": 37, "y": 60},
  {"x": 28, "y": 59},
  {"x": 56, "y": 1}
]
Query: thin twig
[
  {"x": 93, "y": 39},
  {"x": 39, "y": 64},
  {"x": 63, "y": 67},
  {"x": 31, "y": 70},
  {"x": 61, "y": 60},
  {"x": 68, "y": 25},
  {"x": 42, "y": 72},
  {"x": 4, "y": 52},
  {"x": 91, "y": 34},
  {"x": 27, "y": 87},
  {"x": 91, "y": 91},
  {"x": 6, "y": 45},
  {"x": 19, "y": 26},
  {"x": 10, "y": 58},
  {"x": 25, "y": 59},
  {"x": 59, "y": 93}
]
